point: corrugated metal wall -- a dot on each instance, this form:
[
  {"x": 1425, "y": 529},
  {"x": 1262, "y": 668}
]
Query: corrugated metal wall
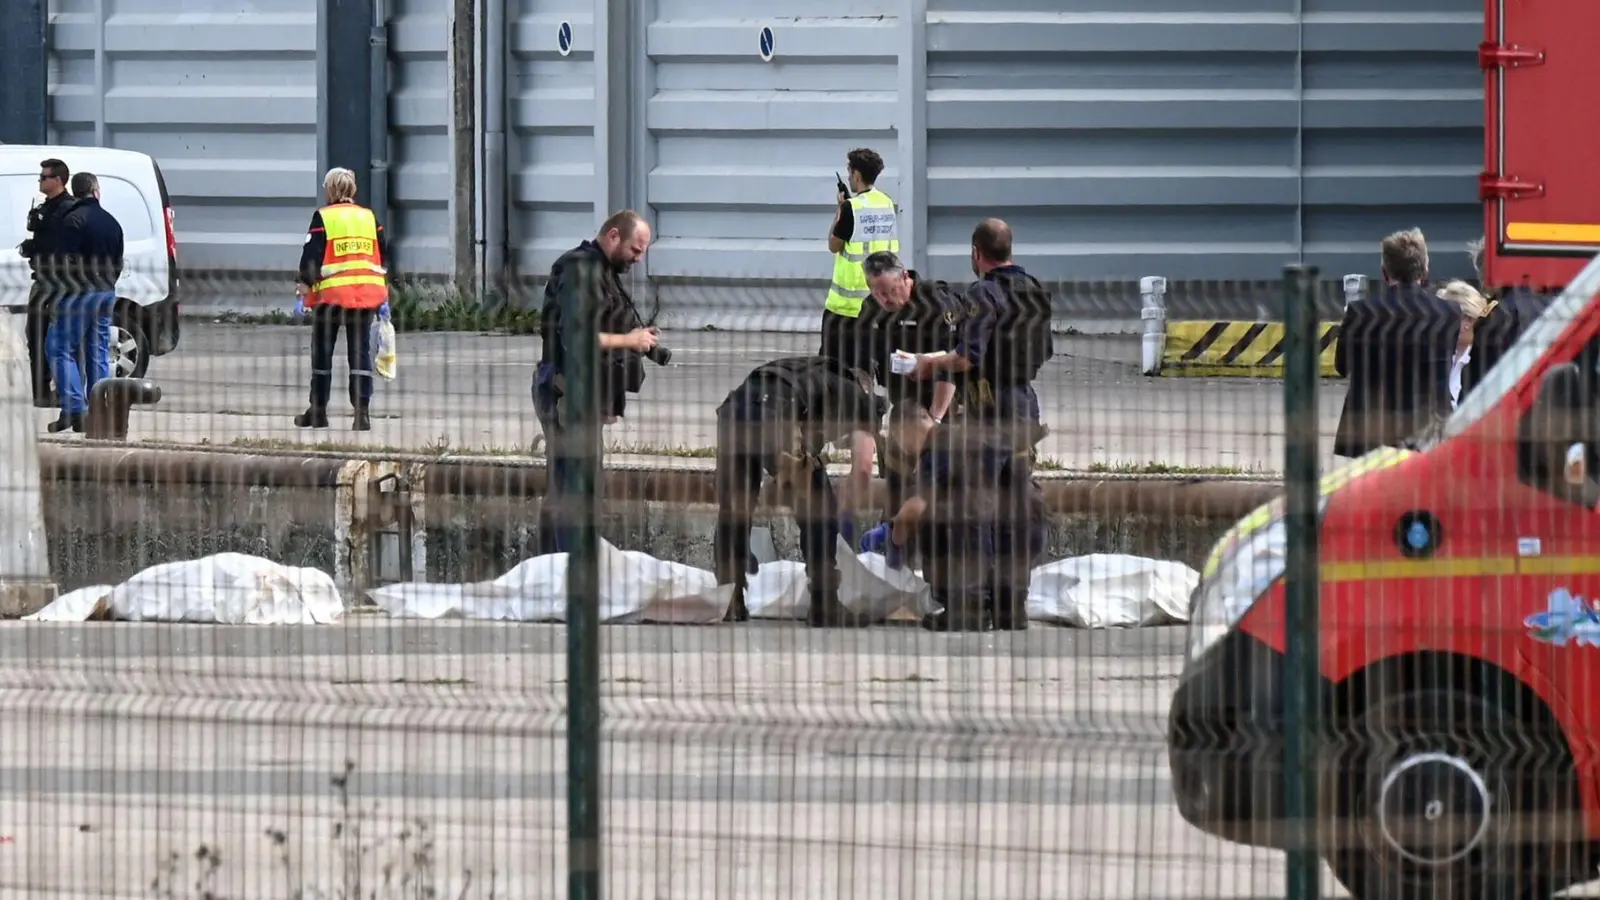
[
  {"x": 1202, "y": 139},
  {"x": 421, "y": 182},
  {"x": 1189, "y": 139},
  {"x": 551, "y": 149},
  {"x": 224, "y": 97},
  {"x": 746, "y": 150}
]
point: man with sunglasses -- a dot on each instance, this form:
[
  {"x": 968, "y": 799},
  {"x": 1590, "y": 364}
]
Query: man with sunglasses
[{"x": 44, "y": 236}]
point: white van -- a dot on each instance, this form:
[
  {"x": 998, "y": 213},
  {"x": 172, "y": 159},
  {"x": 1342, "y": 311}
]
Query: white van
[{"x": 132, "y": 189}]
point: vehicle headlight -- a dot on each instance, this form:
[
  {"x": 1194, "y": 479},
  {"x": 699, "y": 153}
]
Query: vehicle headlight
[{"x": 1244, "y": 575}]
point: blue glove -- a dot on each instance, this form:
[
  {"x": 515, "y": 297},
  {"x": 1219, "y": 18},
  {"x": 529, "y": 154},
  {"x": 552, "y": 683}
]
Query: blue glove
[
  {"x": 383, "y": 311},
  {"x": 299, "y": 307},
  {"x": 847, "y": 529},
  {"x": 891, "y": 555},
  {"x": 875, "y": 539}
]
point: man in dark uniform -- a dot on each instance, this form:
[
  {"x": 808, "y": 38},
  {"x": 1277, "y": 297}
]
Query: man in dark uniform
[
  {"x": 44, "y": 232},
  {"x": 777, "y": 422},
  {"x": 905, "y": 317},
  {"x": 1396, "y": 348},
  {"x": 952, "y": 516},
  {"x": 587, "y": 277},
  {"x": 1005, "y": 340}
]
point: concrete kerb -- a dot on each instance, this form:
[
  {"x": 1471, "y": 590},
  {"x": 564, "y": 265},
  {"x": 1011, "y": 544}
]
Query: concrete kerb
[
  {"x": 1222, "y": 347},
  {"x": 113, "y": 510}
]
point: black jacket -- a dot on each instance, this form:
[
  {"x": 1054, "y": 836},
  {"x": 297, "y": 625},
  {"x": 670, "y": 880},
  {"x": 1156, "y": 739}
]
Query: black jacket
[
  {"x": 89, "y": 248},
  {"x": 929, "y": 323},
  {"x": 582, "y": 281},
  {"x": 1396, "y": 347},
  {"x": 44, "y": 229}
]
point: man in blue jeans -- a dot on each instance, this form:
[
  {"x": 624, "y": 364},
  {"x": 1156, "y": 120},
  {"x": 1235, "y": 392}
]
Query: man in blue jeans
[{"x": 89, "y": 261}]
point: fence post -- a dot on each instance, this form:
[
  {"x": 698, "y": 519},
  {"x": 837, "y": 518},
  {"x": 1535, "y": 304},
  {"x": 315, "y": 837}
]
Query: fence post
[
  {"x": 1355, "y": 289},
  {"x": 580, "y": 515},
  {"x": 1153, "y": 310},
  {"x": 1301, "y": 575}
]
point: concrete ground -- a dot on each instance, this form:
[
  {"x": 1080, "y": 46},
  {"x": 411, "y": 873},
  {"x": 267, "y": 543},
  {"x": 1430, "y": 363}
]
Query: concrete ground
[
  {"x": 229, "y": 384},
  {"x": 762, "y": 761}
]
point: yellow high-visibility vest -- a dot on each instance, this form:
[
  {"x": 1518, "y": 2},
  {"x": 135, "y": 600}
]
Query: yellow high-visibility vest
[
  {"x": 877, "y": 229},
  {"x": 353, "y": 275}
]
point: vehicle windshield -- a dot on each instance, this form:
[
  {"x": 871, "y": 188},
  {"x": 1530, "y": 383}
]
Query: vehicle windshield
[{"x": 1526, "y": 351}]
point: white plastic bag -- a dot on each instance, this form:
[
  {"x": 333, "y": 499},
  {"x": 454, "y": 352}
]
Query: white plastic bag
[
  {"x": 1111, "y": 590},
  {"x": 228, "y": 589},
  {"x": 384, "y": 356},
  {"x": 867, "y": 587},
  {"x": 634, "y": 587}
]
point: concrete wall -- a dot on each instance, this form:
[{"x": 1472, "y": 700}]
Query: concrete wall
[
  {"x": 1189, "y": 139},
  {"x": 110, "y": 513}
]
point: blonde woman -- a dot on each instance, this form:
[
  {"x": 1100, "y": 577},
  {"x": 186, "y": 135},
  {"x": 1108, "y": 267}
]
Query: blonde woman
[{"x": 1474, "y": 307}]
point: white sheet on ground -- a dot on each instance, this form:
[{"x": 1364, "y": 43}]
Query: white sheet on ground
[
  {"x": 1111, "y": 590},
  {"x": 1097, "y": 591},
  {"x": 225, "y": 589},
  {"x": 634, "y": 587}
]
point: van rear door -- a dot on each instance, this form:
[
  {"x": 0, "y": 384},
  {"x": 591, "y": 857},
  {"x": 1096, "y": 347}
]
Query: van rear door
[{"x": 1541, "y": 188}]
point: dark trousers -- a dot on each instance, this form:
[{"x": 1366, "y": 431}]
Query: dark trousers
[
  {"x": 748, "y": 445},
  {"x": 38, "y": 327},
  {"x": 840, "y": 339},
  {"x": 561, "y": 457},
  {"x": 958, "y": 562},
  {"x": 1019, "y": 533},
  {"x": 326, "y": 323}
]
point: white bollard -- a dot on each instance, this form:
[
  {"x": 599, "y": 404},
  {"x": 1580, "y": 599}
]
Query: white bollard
[
  {"x": 25, "y": 583},
  {"x": 1355, "y": 289},
  {"x": 1153, "y": 310}
]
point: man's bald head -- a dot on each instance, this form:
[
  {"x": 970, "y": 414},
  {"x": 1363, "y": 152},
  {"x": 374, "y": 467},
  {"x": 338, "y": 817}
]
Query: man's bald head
[{"x": 991, "y": 245}]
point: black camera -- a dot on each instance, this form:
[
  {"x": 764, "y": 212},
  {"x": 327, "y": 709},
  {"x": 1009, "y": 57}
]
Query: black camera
[{"x": 659, "y": 355}]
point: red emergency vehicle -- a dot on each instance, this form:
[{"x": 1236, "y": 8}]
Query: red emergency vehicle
[
  {"x": 1540, "y": 187},
  {"x": 1459, "y": 641}
]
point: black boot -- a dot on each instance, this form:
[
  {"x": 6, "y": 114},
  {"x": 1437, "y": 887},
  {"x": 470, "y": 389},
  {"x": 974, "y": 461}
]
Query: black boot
[
  {"x": 313, "y": 417},
  {"x": 1010, "y": 610},
  {"x": 363, "y": 420},
  {"x": 960, "y": 616},
  {"x": 66, "y": 423}
]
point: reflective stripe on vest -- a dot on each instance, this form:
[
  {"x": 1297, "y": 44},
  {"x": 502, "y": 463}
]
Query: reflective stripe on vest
[
  {"x": 352, "y": 274},
  {"x": 876, "y": 229}
]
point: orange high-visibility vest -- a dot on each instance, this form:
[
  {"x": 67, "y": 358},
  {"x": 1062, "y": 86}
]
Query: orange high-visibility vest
[{"x": 352, "y": 273}]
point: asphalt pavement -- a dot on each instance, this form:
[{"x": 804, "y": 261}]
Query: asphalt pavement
[
  {"x": 762, "y": 761},
  {"x": 242, "y": 384}
]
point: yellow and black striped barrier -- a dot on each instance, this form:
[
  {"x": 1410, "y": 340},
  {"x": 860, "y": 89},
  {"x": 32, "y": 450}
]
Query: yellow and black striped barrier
[{"x": 1239, "y": 349}]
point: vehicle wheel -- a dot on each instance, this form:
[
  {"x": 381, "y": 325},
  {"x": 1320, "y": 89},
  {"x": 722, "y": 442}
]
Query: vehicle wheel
[
  {"x": 130, "y": 347},
  {"x": 1442, "y": 795}
]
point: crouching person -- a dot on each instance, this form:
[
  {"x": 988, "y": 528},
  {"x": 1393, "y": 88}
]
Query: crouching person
[
  {"x": 949, "y": 517},
  {"x": 777, "y": 422}
]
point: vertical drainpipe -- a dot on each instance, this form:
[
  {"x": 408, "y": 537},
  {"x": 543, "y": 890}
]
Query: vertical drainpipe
[
  {"x": 463, "y": 143},
  {"x": 378, "y": 165},
  {"x": 604, "y": 85},
  {"x": 912, "y": 132},
  {"x": 493, "y": 201},
  {"x": 641, "y": 143}
]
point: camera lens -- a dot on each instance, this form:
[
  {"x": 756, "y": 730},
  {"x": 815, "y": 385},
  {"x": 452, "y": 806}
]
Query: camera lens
[{"x": 659, "y": 355}]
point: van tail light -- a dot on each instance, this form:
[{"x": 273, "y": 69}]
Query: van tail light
[{"x": 172, "y": 238}]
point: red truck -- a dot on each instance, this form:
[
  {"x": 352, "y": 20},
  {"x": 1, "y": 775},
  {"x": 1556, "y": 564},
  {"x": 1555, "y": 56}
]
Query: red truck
[
  {"x": 1459, "y": 628},
  {"x": 1540, "y": 186}
]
